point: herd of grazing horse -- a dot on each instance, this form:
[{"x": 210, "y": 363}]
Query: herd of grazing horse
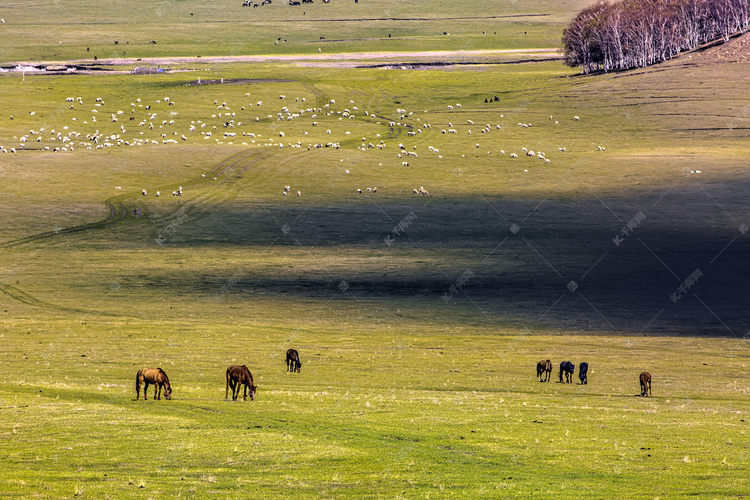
[
  {"x": 237, "y": 377},
  {"x": 567, "y": 369}
]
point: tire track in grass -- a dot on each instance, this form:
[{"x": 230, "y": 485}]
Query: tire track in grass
[
  {"x": 118, "y": 212},
  {"x": 28, "y": 299},
  {"x": 321, "y": 97},
  {"x": 193, "y": 208}
]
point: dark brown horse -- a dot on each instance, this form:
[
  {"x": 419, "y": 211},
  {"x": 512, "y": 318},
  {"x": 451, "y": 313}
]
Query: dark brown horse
[
  {"x": 237, "y": 376},
  {"x": 292, "y": 361},
  {"x": 154, "y": 376},
  {"x": 567, "y": 368},
  {"x": 544, "y": 370},
  {"x": 645, "y": 384}
]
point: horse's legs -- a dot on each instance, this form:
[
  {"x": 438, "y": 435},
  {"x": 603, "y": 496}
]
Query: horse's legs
[
  {"x": 244, "y": 393},
  {"x": 157, "y": 390},
  {"x": 145, "y": 390}
]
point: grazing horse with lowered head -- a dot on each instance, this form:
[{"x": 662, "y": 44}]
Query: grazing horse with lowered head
[
  {"x": 292, "y": 361},
  {"x": 645, "y": 384},
  {"x": 236, "y": 377},
  {"x": 544, "y": 370},
  {"x": 583, "y": 373},
  {"x": 154, "y": 376},
  {"x": 568, "y": 369}
]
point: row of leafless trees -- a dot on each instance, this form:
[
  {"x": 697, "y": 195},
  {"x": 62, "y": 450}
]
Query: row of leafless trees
[{"x": 636, "y": 33}]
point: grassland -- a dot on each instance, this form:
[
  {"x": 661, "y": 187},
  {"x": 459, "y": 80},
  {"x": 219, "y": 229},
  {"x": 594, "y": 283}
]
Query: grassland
[
  {"x": 418, "y": 346},
  {"x": 65, "y": 30}
]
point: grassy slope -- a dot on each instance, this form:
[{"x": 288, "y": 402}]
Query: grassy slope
[{"x": 401, "y": 393}]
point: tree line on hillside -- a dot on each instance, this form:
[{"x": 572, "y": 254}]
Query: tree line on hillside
[{"x": 637, "y": 33}]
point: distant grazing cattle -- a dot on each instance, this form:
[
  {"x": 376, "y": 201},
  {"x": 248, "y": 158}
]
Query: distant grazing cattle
[
  {"x": 583, "y": 373},
  {"x": 544, "y": 370},
  {"x": 236, "y": 377},
  {"x": 568, "y": 369},
  {"x": 292, "y": 361},
  {"x": 645, "y": 384}
]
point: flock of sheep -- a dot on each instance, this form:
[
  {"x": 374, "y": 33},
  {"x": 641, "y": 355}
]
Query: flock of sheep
[{"x": 159, "y": 122}]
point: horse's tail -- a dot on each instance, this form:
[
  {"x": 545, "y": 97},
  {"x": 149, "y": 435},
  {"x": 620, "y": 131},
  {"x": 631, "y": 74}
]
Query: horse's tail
[{"x": 138, "y": 381}]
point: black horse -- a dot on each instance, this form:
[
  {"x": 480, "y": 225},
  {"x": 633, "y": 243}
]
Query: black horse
[
  {"x": 568, "y": 369},
  {"x": 583, "y": 373},
  {"x": 292, "y": 361}
]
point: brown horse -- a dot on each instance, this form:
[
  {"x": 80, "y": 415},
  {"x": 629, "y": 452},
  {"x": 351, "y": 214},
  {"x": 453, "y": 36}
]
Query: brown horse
[
  {"x": 236, "y": 377},
  {"x": 154, "y": 376},
  {"x": 645, "y": 384},
  {"x": 292, "y": 361},
  {"x": 544, "y": 370}
]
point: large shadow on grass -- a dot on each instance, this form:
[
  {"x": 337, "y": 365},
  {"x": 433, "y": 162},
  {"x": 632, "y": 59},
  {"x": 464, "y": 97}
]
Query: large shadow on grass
[{"x": 672, "y": 261}]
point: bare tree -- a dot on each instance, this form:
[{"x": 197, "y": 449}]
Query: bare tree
[{"x": 637, "y": 33}]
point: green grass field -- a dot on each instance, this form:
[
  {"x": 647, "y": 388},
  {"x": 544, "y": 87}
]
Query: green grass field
[
  {"x": 419, "y": 319},
  {"x": 64, "y": 30}
]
